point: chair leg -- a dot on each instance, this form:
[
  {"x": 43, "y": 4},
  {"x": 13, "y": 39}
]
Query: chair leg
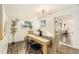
[
  {"x": 36, "y": 52},
  {"x": 29, "y": 50},
  {"x": 41, "y": 51}
]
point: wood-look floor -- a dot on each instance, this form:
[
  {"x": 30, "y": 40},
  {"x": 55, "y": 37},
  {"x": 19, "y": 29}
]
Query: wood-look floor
[
  {"x": 16, "y": 48},
  {"x": 20, "y": 48}
]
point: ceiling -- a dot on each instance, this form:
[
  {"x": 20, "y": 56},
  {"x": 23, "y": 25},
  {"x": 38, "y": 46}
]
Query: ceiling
[{"x": 33, "y": 10}]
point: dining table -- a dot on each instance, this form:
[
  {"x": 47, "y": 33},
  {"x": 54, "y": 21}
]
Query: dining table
[{"x": 45, "y": 41}]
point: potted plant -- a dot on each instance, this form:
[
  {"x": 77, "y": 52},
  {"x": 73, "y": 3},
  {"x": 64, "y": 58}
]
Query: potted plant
[{"x": 13, "y": 28}]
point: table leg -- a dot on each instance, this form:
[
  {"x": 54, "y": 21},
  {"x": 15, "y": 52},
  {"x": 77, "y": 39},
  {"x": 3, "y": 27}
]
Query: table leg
[{"x": 45, "y": 49}]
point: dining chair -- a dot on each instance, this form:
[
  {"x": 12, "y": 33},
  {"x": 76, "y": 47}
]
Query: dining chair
[
  {"x": 36, "y": 48},
  {"x": 32, "y": 46},
  {"x": 28, "y": 43},
  {"x": 57, "y": 38}
]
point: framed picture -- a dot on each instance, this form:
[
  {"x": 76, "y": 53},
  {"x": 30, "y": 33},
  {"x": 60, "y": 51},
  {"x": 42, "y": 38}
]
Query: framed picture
[
  {"x": 26, "y": 24},
  {"x": 43, "y": 23}
]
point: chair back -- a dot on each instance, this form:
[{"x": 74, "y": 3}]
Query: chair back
[{"x": 57, "y": 38}]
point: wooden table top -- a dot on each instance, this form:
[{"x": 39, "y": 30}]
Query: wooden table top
[
  {"x": 45, "y": 37},
  {"x": 41, "y": 38}
]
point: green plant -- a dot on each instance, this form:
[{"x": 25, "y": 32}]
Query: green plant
[{"x": 13, "y": 27}]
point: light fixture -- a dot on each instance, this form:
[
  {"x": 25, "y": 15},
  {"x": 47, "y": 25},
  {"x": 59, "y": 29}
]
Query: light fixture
[{"x": 44, "y": 12}]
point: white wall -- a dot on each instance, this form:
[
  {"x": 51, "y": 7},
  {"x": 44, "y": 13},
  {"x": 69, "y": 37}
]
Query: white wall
[
  {"x": 49, "y": 30},
  {"x": 4, "y": 41},
  {"x": 74, "y": 12},
  {"x": 50, "y": 26},
  {"x": 3, "y": 45},
  {"x": 20, "y": 32},
  {"x": 13, "y": 12},
  {"x": 76, "y": 28}
]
